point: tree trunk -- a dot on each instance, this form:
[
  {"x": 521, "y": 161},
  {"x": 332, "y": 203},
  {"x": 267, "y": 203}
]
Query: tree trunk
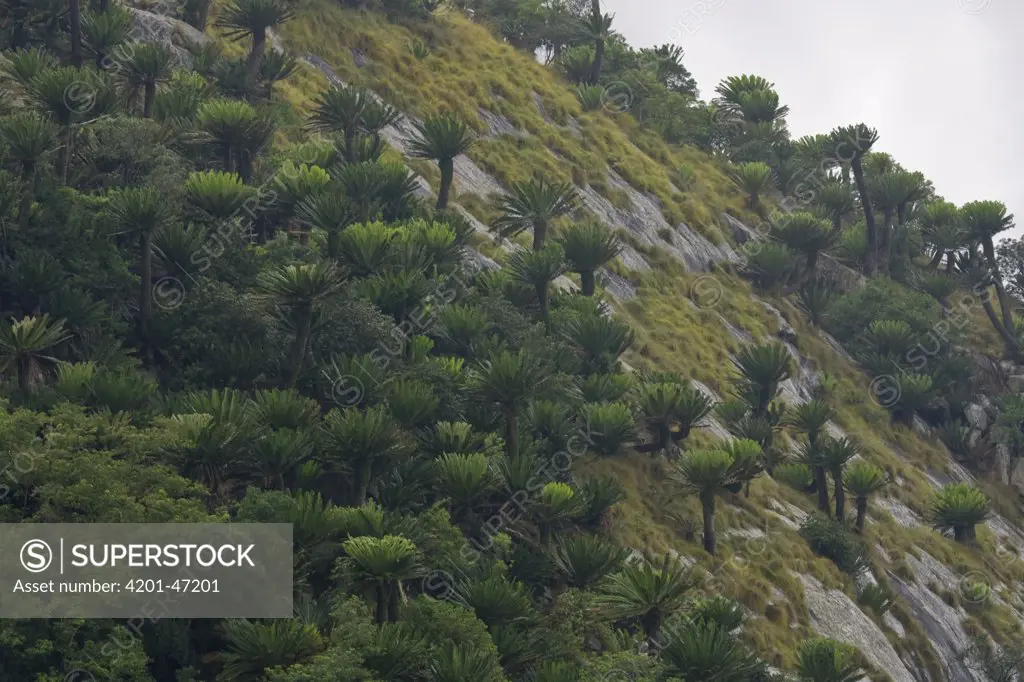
[
  {"x": 961, "y": 534},
  {"x": 871, "y": 257},
  {"x": 148, "y": 98},
  {"x": 651, "y": 623},
  {"x": 28, "y": 181},
  {"x": 821, "y": 480},
  {"x": 24, "y": 374},
  {"x": 350, "y": 144},
  {"x": 885, "y": 240},
  {"x": 840, "y": 494},
  {"x": 447, "y": 171},
  {"x": 362, "y": 482},
  {"x": 542, "y": 300},
  {"x": 540, "y": 233},
  {"x": 299, "y": 346},
  {"x": 664, "y": 436},
  {"x": 65, "y": 154},
  {"x": 511, "y": 431},
  {"x": 950, "y": 262},
  {"x": 1004, "y": 300},
  {"x": 933, "y": 264},
  {"x": 259, "y": 47},
  {"x": 595, "y": 68},
  {"x": 146, "y": 284},
  {"x": 1009, "y": 340},
  {"x": 862, "y": 512},
  {"x": 587, "y": 282},
  {"x": 708, "y": 504},
  {"x": 383, "y": 592},
  {"x": 75, "y": 17},
  {"x": 104, "y": 5}
]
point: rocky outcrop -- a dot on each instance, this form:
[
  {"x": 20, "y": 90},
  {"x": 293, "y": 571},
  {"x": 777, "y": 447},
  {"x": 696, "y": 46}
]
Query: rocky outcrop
[{"x": 835, "y": 615}]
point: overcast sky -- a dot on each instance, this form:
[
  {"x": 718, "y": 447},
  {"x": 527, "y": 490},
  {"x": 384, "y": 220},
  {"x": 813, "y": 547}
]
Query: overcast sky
[{"x": 939, "y": 79}]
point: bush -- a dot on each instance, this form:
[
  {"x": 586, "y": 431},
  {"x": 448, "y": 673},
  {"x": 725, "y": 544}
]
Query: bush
[
  {"x": 770, "y": 266},
  {"x": 882, "y": 299},
  {"x": 833, "y": 540}
]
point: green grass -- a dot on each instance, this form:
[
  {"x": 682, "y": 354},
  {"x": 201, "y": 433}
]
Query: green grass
[{"x": 468, "y": 70}]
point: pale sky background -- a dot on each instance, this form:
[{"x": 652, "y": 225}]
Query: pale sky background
[{"x": 939, "y": 79}]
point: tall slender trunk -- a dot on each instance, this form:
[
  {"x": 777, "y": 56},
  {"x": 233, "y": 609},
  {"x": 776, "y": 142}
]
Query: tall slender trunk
[
  {"x": 707, "y": 501},
  {"x": 28, "y": 181},
  {"x": 950, "y": 262},
  {"x": 350, "y": 143},
  {"x": 1004, "y": 300},
  {"x": 148, "y": 98},
  {"x": 933, "y": 264},
  {"x": 587, "y": 282},
  {"x": 259, "y": 47},
  {"x": 862, "y": 512},
  {"x": 821, "y": 481},
  {"x": 299, "y": 346},
  {"x": 542, "y": 299},
  {"x": 383, "y": 593},
  {"x": 447, "y": 171},
  {"x": 871, "y": 257},
  {"x": 511, "y": 431},
  {"x": 1009, "y": 340},
  {"x": 362, "y": 481},
  {"x": 840, "y": 494},
  {"x": 146, "y": 285},
  {"x": 24, "y": 374},
  {"x": 885, "y": 241},
  {"x": 595, "y": 68},
  {"x": 75, "y": 16},
  {"x": 65, "y": 153},
  {"x": 540, "y": 233}
]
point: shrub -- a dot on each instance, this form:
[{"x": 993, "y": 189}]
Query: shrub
[
  {"x": 833, "y": 540},
  {"x": 770, "y": 267}
]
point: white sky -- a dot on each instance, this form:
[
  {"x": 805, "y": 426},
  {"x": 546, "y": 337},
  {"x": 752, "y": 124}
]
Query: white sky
[{"x": 939, "y": 79}]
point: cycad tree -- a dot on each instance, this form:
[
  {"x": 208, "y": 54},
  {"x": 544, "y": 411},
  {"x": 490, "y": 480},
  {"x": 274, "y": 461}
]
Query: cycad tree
[
  {"x": 507, "y": 381},
  {"x": 583, "y": 560},
  {"x": 300, "y": 289},
  {"x": 597, "y": 27},
  {"x": 148, "y": 65},
  {"x": 805, "y": 234},
  {"x": 533, "y": 205},
  {"x": 251, "y": 19},
  {"x": 538, "y": 269},
  {"x": 664, "y": 404},
  {"x": 835, "y": 199},
  {"x": 835, "y": 454},
  {"x": 30, "y": 139},
  {"x": 601, "y": 339},
  {"x": 646, "y": 593},
  {"x": 705, "y": 650},
  {"x": 706, "y": 473},
  {"x": 367, "y": 443},
  {"x": 104, "y": 32},
  {"x": 340, "y": 110},
  {"x": 441, "y": 137},
  {"x": 382, "y": 563},
  {"x": 957, "y": 509},
  {"x": 25, "y": 345},
  {"x": 943, "y": 231},
  {"x": 755, "y": 179},
  {"x": 863, "y": 480},
  {"x": 254, "y": 647},
  {"x": 142, "y": 211},
  {"x": 219, "y": 195},
  {"x": 983, "y": 220},
  {"x": 851, "y": 143},
  {"x": 812, "y": 418},
  {"x": 762, "y": 368},
  {"x": 826, "y": 660},
  {"x": 587, "y": 247},
  {"x": 465, "y": 479}
]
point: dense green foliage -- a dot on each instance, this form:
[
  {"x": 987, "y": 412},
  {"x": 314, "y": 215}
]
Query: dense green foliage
[{"x": 219, "y": 306}]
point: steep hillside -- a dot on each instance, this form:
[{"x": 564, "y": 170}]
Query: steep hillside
[
  {"x": 695, "y": 280},
  {"x": 693, "y": 324}
]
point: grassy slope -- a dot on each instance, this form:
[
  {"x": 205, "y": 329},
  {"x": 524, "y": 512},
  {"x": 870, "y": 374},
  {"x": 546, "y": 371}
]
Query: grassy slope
[{"x": 468, "y": 69}]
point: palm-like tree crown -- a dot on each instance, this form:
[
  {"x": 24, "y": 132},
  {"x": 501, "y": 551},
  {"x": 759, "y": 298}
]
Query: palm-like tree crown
[
  {"x": 705, "y": 472},
  {"x": 339, "y": 109},
  {"x": 641, "y": 590},
  {"x": 24, "y": 343},
  {"x": 139, "y": 209},
  {"x": 985, "y": 219},
  {"x": 589, "y": 245},
  {"x": 29, "y": 137},
  {"x": 958, "y": 508},
  {"x": 508, "y": 379},
  {"x": 853, "y": 141},
  {"x": 533, "y": 205},
  {"x": 804, "y": 232},
  {"x": 376, "y": 560},
  {"x": 763, "y": 368},
  {"x": 862, "y": 479},
  {"x": 836, "y": 200},
  {"x": 247, "y": 17},
  {"x": 441, "y": 137},
  {"x": 811, "y": 417},
  {"x": 826, "y": 660},
  {"x": 301, "y": 285},
  {"x": 217, "y": 193},
  {"x": 149, "y": 64}
]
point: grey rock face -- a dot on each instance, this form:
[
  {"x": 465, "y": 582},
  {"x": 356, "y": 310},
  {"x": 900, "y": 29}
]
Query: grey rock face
[{"x": 834, "y": 614}]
